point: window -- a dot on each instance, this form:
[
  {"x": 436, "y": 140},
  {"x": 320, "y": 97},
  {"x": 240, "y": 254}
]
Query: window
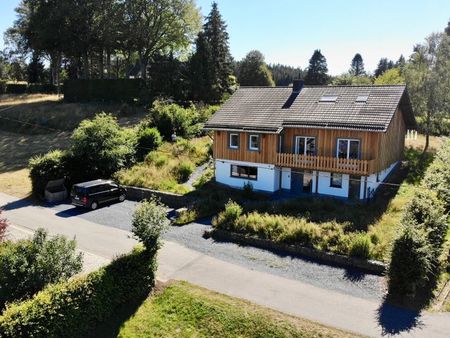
[
  {"x": 328, "y": 98},
  {"x": 348, "y": 149},
  {"x": 305, "y": 145},
  {"x": 240, "y": 171},
  {"x": 233, "y": 142},
  {"x": 336, "y": 180},
  {"x": 362, "y": 99},
  {"x": 253, "y": 142}
]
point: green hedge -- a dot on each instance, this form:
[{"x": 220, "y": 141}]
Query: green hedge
[
  {"x": 16, "y": 88},
  {"x": 74, "y": 308},
  {"x": 44, "y": 88},
  {"x": 122, "y": 90},
  {"x": 3, "y": 86}
]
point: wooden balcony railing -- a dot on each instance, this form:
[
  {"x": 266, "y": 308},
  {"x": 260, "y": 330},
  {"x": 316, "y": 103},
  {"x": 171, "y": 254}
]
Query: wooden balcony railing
[{"x": 333, "y": 164}]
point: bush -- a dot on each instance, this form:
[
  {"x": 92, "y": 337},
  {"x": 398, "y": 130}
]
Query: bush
[
  {"x": 157, "y": 159},
  {"x": 183, "y": 171},
  {"x": 100, "y": 148},
  {"x": 74, "y": 308},
  {"x": 148, "y": 139},
  {"x": 3, "y": 86},
  {"x": 46, "y": 88},
  {"x": 45, "y": 168},
  {"x": 227, "y": 219},
  {"x": 149, "y": 221},
  {"x": 360, "y": 246},
  {"x": 16, "y": 88},
  {"x": 3, "y": 227},
  {"x": 411, "y": 262},
  {"x": 27, "y": 266}
]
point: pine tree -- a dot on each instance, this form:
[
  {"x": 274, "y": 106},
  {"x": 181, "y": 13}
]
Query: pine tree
[
  {"x": 383, "y": 65},
  {"x": 357, "y": 65},
  {"x": 317, "y": 71},
  {"x": 220, "y": 63},
  {"x": 253, "y": 71},
  {"x": 200, "y": 70}
]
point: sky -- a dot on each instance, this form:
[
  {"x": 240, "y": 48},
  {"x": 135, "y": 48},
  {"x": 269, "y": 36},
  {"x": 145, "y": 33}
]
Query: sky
[{"x": 288, "y": 31}]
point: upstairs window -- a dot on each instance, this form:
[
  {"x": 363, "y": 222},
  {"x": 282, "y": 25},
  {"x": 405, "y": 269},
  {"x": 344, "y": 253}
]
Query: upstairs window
[
  {"x": 347, "y": 149},
  {"x": 305, "y": 145},
  {"x": 253, "y": 142},
  {"x": 233, "y": 141},
  {"x": 328, "y": 98}
]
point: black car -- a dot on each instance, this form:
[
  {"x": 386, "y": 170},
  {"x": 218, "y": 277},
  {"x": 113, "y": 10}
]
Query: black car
[{"x": 93, "y": 193}]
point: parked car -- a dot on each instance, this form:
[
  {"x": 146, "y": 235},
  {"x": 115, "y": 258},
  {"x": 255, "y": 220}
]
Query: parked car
[{"x": 93, "y": 193}]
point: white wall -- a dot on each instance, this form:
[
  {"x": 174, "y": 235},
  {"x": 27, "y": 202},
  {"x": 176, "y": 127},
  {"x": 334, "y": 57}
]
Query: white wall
[
  {"x": 372, "y": 179},
  {"x": 268, "y": 176},
  {"x": 324, "y": 185}
]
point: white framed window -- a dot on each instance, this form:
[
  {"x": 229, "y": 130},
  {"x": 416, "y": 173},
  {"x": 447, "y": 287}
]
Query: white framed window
[
  {"x": 336, "y": 180},
  {"x": 233, "y": 140},
  {"x": 253, "y": 142},
  {"x": 305, "y": 145},
  {"x": 250, "y": 173},
  {"x": 347, "y": 148}
]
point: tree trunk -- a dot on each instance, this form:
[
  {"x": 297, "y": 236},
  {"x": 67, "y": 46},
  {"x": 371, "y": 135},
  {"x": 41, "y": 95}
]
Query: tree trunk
[
  {"x": 427, "y": 132},
  {"x": 86, "y": 66},
  {"x": 102, "y": 64},
  {"x": 143, "y": 64},
  {"x": 108, "y": 64}
]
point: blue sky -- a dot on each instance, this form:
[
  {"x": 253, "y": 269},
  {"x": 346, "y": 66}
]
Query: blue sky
[{"x": 288, "y": 31}]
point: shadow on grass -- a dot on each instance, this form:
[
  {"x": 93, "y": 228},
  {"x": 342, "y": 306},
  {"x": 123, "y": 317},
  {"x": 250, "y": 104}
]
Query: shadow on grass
[{"x": 110, "y": 328}]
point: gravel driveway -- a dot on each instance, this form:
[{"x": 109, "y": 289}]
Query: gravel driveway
[{"x": 347, "y": 281}]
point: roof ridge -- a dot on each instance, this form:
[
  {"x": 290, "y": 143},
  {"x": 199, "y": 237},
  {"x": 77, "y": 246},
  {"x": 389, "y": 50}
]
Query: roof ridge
[{"x": 328, "y": 86}]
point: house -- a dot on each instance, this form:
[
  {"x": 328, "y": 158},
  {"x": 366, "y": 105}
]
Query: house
[{"x": 333, "y": 140}]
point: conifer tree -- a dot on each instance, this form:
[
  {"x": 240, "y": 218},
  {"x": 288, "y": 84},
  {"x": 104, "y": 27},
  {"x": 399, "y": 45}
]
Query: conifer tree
[
  {"x": 317, "y": 71},
  {"x": 357, "y": 65}
]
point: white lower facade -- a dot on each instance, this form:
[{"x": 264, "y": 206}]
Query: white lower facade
[{"x": 270, "y": 178}]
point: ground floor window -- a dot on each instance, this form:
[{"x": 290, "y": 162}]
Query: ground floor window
[
  {"x": 241, "y": 171},
  {"x": 336, "y": 180}
]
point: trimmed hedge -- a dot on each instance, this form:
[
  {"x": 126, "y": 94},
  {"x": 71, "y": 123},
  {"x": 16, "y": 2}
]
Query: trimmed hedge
[
  {"x": 74, "y": 308},
  {"x": 44, "y": 88},
  {"x": 3, "y": 86},
  {"x": 16, "y": 88},
  {"x": 122, "y": 90}
]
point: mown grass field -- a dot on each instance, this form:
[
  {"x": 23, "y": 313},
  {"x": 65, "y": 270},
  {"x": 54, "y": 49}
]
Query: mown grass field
[{"x": 185, "y": 310}]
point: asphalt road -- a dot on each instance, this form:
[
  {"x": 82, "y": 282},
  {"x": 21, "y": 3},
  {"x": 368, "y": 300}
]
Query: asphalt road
[{"x": 348, "y": 281}]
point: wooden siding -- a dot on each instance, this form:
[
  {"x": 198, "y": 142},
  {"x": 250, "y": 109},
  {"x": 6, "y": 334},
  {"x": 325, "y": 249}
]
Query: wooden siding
[
  {"x": 378, "y": 150},
  {"x": 392, "y": 142},
  {"x": 267, "y": 148}
]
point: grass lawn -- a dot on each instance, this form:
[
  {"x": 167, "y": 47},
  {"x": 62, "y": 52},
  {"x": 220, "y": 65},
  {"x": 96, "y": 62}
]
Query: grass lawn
[
  {"x": 168, "y": 167},
  {"x": 185, "y": 310}
]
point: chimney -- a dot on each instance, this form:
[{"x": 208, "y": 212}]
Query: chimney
[{"x": 297, "y": 86}]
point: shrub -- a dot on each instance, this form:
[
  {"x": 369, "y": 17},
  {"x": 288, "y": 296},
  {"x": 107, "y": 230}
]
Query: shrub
[
  {"x": 411, "y": 262},
  {"x": 74, "y": 308},
  {"x": 148, "y": 139},
  {"x": 102, "y": 148},
  {"x": 3, "y": 227},
  {"x": 227, "y": 219},
  {"x": 171, "y": 118},
  {"x": 437, "y": 176},
  {"x": 157, "y": 159},
  {"x": 2, "y": 86},
  {"x": 27, "y": 266},
  {"x": 47, "y": 88},
  {"x": 149, "y": 221},
  {"x": 248, "y": 190},
  {"x": 16, "y": 88},
  {"x": 183, "y": 171},
  {"x": 44, "y": 168},
  {"x": 360, "y": 246}
]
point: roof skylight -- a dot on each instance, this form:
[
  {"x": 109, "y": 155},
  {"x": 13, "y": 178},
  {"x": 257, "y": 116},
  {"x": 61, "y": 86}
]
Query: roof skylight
[
  {"x": 362, "y": 98},
  {"x": 328, "y": 98}
]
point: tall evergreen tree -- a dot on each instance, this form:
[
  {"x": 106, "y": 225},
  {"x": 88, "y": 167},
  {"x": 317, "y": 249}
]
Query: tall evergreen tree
[
  {"x": 253, "y": 71},
  {"x": 317, "y": 71},
  {"x": 35, "y": 70},
  {"x": 284, "y": 75},
  {"x": 357, "y": 65},
  {"x": 383, "y": 65},
  {"x": 200, "y": 70}
]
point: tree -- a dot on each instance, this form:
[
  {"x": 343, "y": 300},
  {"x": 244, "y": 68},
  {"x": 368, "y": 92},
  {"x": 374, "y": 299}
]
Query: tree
[
  {"x": 284, "y": 75},
  {"x": 428, "y": 78},
  {"x": 253, "y": 71},
  {"x": 317, "y": 73},
  {"x": 3, "y": 227},
  {"x": 212, "y": 60},
  {"x": 102, "y": 146},
  {"x": 27, "y": 266},
  {"x": 357, "y": 65},
  {"x": 349, "y": 79},
  {"x": 148, "y": 223},
  {"x": 35, "y": 70},
  {"x": 383, "y": 65},
  {"x": 392, "y": 76}
]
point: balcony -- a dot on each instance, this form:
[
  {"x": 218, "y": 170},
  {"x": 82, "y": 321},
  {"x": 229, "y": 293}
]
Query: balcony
[{"x": 322, "y": 163}]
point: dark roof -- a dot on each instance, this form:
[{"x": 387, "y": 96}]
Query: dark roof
[
  {"x": 92, "y": 183},
  {"x": 269, "y": 109}
]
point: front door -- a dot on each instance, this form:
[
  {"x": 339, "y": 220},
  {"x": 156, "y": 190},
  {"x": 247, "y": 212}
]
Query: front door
[
  {"x": 296, "y": 182},
  {"x": 354, "y": 187}
]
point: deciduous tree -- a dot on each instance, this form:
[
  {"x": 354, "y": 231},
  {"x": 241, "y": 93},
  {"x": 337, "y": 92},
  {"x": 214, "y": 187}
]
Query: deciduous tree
[{"x": 253, "y": 71}]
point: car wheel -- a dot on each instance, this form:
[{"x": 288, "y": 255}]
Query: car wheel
[
  {"x": 122, "y": 198},
  {"x": 94, "y": 205}
]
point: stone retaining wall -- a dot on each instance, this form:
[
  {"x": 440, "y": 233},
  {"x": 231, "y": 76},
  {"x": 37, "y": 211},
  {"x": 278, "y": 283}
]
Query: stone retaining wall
[
  {"x": 170, "y": 199},
  {"x": 370, "y": 266}
]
